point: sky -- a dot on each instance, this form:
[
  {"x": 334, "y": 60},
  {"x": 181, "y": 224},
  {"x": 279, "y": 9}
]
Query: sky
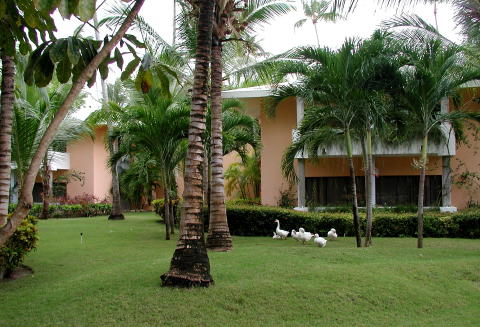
[{"x": 280, "y": 34}]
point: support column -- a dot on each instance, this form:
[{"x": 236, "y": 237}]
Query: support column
[
  {"x": 447, "y": 186},
  {"x": 301, "y": 190},
  {"x": 373, "y": 191},
  {"x": 301, "y": 185}
]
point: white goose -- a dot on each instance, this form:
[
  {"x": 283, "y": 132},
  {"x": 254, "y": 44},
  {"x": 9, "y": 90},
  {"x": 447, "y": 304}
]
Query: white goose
[
  {"x": 295, "y": 235},
  {"x": 332, "y": 234},
  {"x": 282, "y": 233},
  {"x": 276, "y": 237},
  {"x": 304, "y": 236},
  {"x": 320, "y": 241}
]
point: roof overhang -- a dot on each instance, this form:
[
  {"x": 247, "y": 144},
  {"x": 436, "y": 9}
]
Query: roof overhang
[{"x": 248, "y": 92}]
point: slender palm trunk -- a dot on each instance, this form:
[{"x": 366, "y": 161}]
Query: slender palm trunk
[
  {"x": 218, "y": 238},
  {"x": 166, "y": 212},
  {"x": 356, "y": 218},
  {"x": 369, "y": 185},
  {"x": 316, "y": 34},
  {"x": 421, "y": 191},
  {"x": 117, "y": 212},
  {"x": 190, "y": 265},
  {"x": 174, "y": 31},
  {"x": 205, "y": 177},
  {"x": 25, "y": 201},
  {"x": 46, "y": 190},
  {"x": 6, "y": 117},
  {"x": 172, "y": 217}
]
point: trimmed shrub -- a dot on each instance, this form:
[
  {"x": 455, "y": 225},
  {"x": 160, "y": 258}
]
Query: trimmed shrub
[
  {"x": 159, "y": 207},
  {"x": 70, "y": 210},
  {"x": 240, "y": 202},
  {"x": 259, "y": 221},
  {"x": 18, "y": 245}
]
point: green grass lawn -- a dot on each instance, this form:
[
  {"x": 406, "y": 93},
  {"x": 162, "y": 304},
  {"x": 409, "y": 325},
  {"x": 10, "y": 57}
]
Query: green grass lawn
[{"x": 113, "y": 279}]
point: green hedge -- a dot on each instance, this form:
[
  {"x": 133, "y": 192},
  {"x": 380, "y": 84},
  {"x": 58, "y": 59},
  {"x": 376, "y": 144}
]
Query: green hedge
[
  {"x": 18, "y": 245},
  {"x": 71, "y": 210},
  {"x": 259, "y": 221}
]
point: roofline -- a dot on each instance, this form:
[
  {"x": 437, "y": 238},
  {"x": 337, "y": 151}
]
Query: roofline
[
  {"x": 247, "y": 93},
  {"x": 266, "y": 91}
]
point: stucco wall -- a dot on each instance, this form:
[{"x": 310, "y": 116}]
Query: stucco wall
[
  {"x": 90, "y": 158},
  {"x": 466, "y": 163},
  {"x": 276, "y": 137},
  {"x": 102, "y": 182}
]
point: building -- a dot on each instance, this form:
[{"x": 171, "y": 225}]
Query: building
[{"x": 452, "y": 174}]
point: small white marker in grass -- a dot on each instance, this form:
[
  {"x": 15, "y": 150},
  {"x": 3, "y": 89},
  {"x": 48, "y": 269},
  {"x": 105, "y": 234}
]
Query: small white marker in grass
[{"x": 81, "y": 238}]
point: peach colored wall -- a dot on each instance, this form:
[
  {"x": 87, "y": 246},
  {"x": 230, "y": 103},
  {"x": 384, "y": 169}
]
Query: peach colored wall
[
  {"x": 466, "y": 161},
  {"x": 90, "y": 157},
  {"x": 102, "y": 182},
  {"x": 81, "y": 161},
  {"x": 276, "y": 137}
]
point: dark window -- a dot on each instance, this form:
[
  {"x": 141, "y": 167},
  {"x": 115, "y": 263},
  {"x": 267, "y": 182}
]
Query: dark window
[
  {"x": 59, "y": 190},
  {"x": 333, "y": 191},
  {"x": 390, "y": 190},
  {"x": 37, "y": 192}
]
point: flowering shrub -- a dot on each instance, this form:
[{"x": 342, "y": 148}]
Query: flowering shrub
[
  {"x": 85, "y": 205},
  {"x": 18, "y": 245}
]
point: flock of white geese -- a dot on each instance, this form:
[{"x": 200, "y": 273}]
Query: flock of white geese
[{"x": 303, "y": 236}]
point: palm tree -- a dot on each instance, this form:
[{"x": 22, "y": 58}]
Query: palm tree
[
  {"x": 228, "y": 21},
  {"x": 17, "y": 17},
  {"x": 328, "y": 83},
  {"x": 7, "y": 99},
  {"x": 190, "y": 265},
  {"x": 379, "y": 80},
  {"x": 244, "y": 177},
  {"x": 83, "y": 75},
  {"x": 153, "y": 131},
  {"x": 33, "y": 112},
  {"x": 435, "y": 71},
  {"x": 315, "y": 11},
  {"x": 239, "y": 131}
]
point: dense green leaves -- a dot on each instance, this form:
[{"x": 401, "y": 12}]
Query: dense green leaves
[
  {"x": 84, "y": 9},
  {"x": 20, "y": 21},
  {"x": 68, "y": 57},
  {"x": 132, "y": 65}
]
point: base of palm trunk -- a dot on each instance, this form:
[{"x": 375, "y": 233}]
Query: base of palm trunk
[
  {"x": 219, "y": 241},
  {"x": 116, "y": 217},
  {"x": 189, "y": 268}
]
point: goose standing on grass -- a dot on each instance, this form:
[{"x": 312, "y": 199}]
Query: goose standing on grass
[
  {"x": 282, "y": 233},
  {"x": 320, "y": 241},
  {"x": 295, "y": 235},
  {"x": 332, "y": 234},
  {"x": 304, "y": 236},
  {"x": 276, "y": 236}
]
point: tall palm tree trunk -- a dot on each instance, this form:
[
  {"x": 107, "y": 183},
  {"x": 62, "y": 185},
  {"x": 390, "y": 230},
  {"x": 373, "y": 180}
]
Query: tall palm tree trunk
[
  {"x": 172, "y": 217},
  {"x": 45, "y": 189},
  {"x": 218, "y": 238},
  {"x": 316, "y": 34},
  {"x": 25, "y": 201},
  {"x": 190, "y": 265},
  {"x": 166, "y": 212},
  {"x": 369, "y": 186},
  {"x": 117, "y": 212},
  {"x": 6, "y": 117},
  {"x": 421, "y": 191},
  {"x": 356, "y": 218}
]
